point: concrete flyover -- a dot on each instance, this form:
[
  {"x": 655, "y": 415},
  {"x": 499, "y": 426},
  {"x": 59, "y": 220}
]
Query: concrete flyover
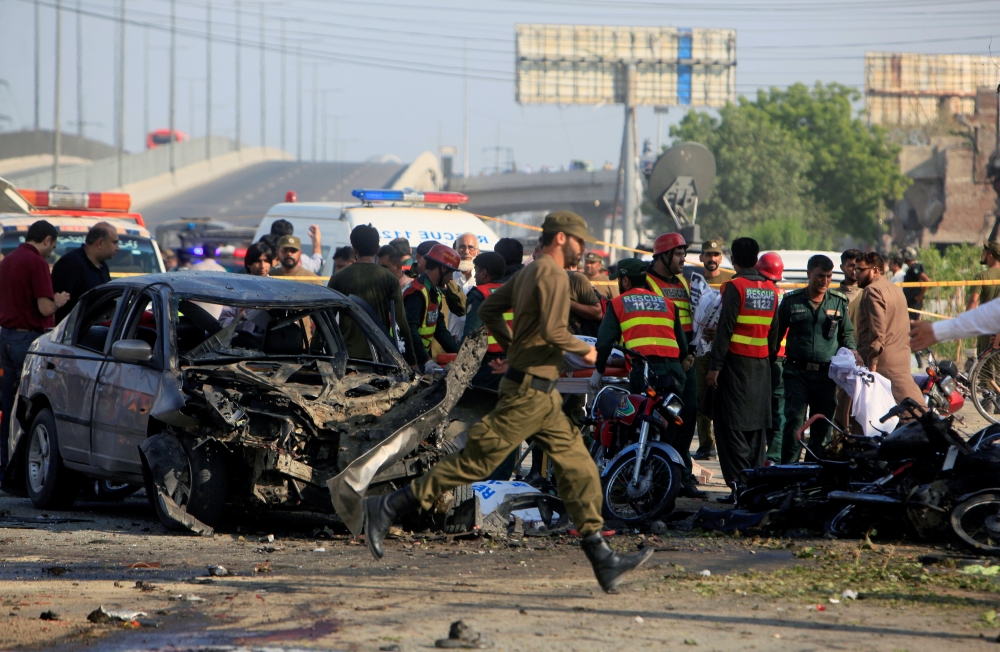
[{"x": 590, "y": 194}]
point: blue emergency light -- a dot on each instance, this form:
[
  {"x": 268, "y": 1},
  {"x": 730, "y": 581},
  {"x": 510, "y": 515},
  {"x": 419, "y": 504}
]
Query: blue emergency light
[{"x": 410, "y": 196}]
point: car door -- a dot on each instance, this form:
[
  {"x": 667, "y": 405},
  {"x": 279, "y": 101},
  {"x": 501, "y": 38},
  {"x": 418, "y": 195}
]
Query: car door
[
  {"x": 72, "y": 368},
  {"x": 124, "y": 394}
]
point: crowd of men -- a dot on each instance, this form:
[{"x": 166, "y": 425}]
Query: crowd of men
[{"x": 748, "y": 359}]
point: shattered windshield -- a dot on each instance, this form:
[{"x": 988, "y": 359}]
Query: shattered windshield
[{"x": 217, "y": 333}]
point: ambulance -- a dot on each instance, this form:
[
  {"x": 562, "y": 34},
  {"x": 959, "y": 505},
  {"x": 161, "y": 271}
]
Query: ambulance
[
  {"x": 416, "y": 216},
  {"x": 73, "y": 213}
]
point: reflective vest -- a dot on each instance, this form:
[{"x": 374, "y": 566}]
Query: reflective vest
[
  {"x": 431, "y": 312},
  {"x": 679, "y": 294},
  {"x": 758, "y": 306},
  {"x": 487, "y": 289},
  {"x": 784, "y": 336},
  {"x": 647, "y": 323}
]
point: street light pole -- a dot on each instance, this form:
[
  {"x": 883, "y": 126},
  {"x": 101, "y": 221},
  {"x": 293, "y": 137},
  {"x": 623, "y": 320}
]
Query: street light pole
[
  {"x": 173, "y": 85},
  {"x": 284, "y": 90},
  {"x": 208, "y": 80},
  {"x": 121, "y": 95},
  {"x": 298, "y": 121},
  {"x": 145, "y": 86},
  {"x": 58, "y": 130},
  {"x": 465, "y": 77},
  {"x": 38, "y": 67},
  {"x": 315, "y": 112},
  {"x": 79, "y": 70},
  {"x": 263, "y": 97},
  {"x": 239, "y": 121}
]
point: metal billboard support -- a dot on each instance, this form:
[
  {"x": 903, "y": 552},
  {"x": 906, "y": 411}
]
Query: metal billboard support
[{"x": 630, "y": 235}]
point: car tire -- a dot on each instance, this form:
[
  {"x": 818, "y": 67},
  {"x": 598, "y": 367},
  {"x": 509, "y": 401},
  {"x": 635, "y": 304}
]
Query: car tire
[
  {"x": 201, "y": 488},
  {"x": 50, "y": 484}
]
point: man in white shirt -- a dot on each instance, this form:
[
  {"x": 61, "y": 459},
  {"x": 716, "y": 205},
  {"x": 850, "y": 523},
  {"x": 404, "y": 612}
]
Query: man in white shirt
[
  {"x": 984, "y": 320},
  {"x": 467, "y": 246},
  {"x": 314, "y": 262}
]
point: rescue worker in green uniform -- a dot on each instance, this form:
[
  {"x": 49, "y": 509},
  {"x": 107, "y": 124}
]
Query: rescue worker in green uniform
[
  {"x": 422, "y": 302},
  {"x": 529, "y": 405},
  {"x": 640, "y": 320},
  {"x": 816, "y": 323}
]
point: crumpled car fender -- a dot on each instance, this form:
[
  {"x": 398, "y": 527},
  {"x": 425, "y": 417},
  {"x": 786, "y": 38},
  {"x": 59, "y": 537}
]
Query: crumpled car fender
[
  {"x": 348, "y": 488},
  {"x": 162, "y": 456}
]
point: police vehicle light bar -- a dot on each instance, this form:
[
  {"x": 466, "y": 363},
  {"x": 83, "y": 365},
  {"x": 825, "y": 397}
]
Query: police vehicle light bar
[
  {"x": 410, "y": 196},
  {"x": 49, "y": 199}
]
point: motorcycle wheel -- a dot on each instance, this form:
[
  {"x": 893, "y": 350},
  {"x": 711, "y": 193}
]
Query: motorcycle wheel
[
  {"x": 661, "y": 478},
  {"x": 852, "y": 522},
  {"x": 983, "y": 383},
  {"x": 976, "y": 522}
]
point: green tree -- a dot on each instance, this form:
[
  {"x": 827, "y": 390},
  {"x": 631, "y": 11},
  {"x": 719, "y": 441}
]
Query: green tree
[
  {"x": 852, "y": 166},
  {"x": 762, "y": 187}
]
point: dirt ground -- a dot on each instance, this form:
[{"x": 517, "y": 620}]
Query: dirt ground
[{"x": 310, "y": 589}]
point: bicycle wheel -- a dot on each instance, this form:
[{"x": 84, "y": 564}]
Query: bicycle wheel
[{"x": 984, "y": 384}]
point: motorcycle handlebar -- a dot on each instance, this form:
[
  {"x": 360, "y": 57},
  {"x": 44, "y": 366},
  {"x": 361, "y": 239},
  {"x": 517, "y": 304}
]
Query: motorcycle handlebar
[
  {"x": 630, "y": 353},
  {"x": 908, "y": 405}
]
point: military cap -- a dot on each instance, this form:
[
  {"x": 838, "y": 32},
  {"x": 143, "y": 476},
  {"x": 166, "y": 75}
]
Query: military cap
[
  {"x": 630, "y": 267},
  {"x": 993, "y": 248},
  {"x": 290, "y": 242},
  {"x": 591, "y": 257},
  {"x": 567, "y": 222},
  {"x": 711, "y": 247}
]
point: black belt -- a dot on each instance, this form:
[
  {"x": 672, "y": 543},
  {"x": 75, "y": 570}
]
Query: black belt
[
  {"x": 22, "y": 330},
  {"x": 540, "y": 384},
  {"x": 808, "y": 366}
]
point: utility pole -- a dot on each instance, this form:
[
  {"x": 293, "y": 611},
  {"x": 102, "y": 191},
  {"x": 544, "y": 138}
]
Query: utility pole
[
  {"x": 79, "y": 71},
  {"x": 263, "y": 97},
  {"x": 325, "y": 116},
  {"x": 630, "y": 233},
  {"x": 283, "y": 89},
  {"x": 56, "y": 126},
  {"x": 298, "y": 121},
  {"x": 315, "y": 115},
  {"x": 239, "y": 121},
  {"x": 145, "y": 85},
  {"x": 38, "y": 67},
  {"x": 173, "y": 85},
  {"x": 465, "y": 76},
  {"x": 208, "y": 80},
  {"x": 121, "y": 94}
]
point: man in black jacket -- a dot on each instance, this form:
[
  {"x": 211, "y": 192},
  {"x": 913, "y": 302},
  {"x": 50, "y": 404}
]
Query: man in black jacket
[{"x": 86, "y": 267}]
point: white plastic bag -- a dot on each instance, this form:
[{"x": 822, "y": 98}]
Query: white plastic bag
[{"x": 870, "y": 392}]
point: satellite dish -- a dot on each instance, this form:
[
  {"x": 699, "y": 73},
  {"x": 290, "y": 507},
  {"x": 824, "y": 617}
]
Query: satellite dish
[{"x": 682, "y": 176}]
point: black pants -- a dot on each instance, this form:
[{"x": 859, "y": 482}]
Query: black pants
[
  {"x": 14, "y": 347},
  {"x": 739, "y": 449},
  {"x": 804, "y": 389}
]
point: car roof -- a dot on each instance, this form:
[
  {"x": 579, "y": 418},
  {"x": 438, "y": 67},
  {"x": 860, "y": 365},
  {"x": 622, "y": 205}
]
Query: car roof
[{"x": 238, "y": 288}]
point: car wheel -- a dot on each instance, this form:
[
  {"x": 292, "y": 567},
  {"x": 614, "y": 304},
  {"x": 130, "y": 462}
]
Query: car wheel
[
  {"x": 50, "y": 484},
  {"x": 200, "y": 489},
  {"x": 111, "y": 491}
]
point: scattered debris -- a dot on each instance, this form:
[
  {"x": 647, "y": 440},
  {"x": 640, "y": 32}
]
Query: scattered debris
[
  {"x": 834, "y": 601},
  {"x": 269, "y": 538},
  {"x": 56, "y": 570},
  {"x": 390, "y": 648},
  {"x": 319, "y": 550},
  {"x": 848, "y": 594},
  {"x": 101, "y": 616},
  {"x": 461, "y": 636},
  {"x": 706, "y": 573},
  {"x": 144, "y": 564},
  {"x": 979, "y": 569},
  {"x": 190, "y": 597},
  {"x": 263, "y": 568},
  {"x": 690, "y": 641},
  {"x": 658, "y": 527},
  {"x": 639, "y": 620},
  {"x": 49, "y": 615},
  {"x": 218, "y": 571},
  {"x": 145, "y": 585}
]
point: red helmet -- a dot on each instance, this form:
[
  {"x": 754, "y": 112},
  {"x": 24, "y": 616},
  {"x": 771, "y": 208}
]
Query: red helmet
[
  {"x": 770, "y": 266},
  {"x": 291, "y": 197},
  {"x": 444, "y": 255},
  {"x": 668, "y": 242}
]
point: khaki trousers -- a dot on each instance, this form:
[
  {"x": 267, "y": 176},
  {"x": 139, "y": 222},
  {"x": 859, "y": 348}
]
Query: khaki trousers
[{"x": 521, "y": 413}]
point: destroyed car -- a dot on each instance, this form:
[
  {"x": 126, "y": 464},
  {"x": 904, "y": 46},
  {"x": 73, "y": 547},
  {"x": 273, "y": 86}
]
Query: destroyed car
[{"x": 222, "y": 389}]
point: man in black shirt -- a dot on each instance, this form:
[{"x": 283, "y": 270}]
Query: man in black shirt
[{"x": 85, "y": 268}]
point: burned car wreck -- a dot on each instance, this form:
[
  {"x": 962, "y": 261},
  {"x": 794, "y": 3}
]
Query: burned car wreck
[{"x": 220, "y": 389}]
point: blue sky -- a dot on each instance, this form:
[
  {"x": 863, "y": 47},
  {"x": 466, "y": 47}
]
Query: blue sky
[{"x": 393, "y": 69}]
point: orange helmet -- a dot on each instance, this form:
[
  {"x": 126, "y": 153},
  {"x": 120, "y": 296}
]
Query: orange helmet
[
  {"x": 770, "y": 266},
  {"x": 668, "y": 242},
  {"x": 444, "y": 256}
]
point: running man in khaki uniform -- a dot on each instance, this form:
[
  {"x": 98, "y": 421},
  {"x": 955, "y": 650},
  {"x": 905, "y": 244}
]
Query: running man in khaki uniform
[{"x": 529, "y": 405}]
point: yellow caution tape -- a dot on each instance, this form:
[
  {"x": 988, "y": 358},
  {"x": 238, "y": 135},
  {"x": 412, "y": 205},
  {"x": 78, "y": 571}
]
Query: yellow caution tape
[{"x": 538, "y": 228}]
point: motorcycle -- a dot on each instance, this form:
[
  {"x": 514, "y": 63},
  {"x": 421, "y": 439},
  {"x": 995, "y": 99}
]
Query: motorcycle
[
  {"x": 943, "y": 385},
  {"x": 641, "y": 475}
]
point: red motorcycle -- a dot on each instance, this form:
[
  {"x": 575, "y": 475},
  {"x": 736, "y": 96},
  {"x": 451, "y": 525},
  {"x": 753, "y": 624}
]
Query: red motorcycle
[
  {"x": 640, "y": 474},
  {"x": 942, "y": 385}
]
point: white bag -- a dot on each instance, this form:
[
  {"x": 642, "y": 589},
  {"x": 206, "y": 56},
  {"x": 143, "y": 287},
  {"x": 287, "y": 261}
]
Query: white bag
[{"x": 870, "y": 392}]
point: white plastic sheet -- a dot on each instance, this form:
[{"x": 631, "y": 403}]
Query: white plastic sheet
[
  {"x": 492, "y": 492},
  {"x": 870, "y": 392}
]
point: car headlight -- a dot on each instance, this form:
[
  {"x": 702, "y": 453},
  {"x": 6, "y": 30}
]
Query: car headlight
[
  {"x": 674, "y": 406},
  {"x": 947, "y": 385}
]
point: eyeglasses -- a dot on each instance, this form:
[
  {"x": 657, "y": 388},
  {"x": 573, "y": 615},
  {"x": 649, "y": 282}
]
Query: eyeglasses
[{"x": 862, "y": 269}]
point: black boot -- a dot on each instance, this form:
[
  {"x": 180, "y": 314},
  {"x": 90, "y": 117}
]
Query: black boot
[
  {"x": 689, "y": 490},
  {"x": 608, "y": 565},
  {"x": 381, "y": 512}
]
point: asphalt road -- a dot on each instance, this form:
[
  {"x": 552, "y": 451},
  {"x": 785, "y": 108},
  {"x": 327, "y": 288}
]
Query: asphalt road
[{"x": 243, "y": 197}]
